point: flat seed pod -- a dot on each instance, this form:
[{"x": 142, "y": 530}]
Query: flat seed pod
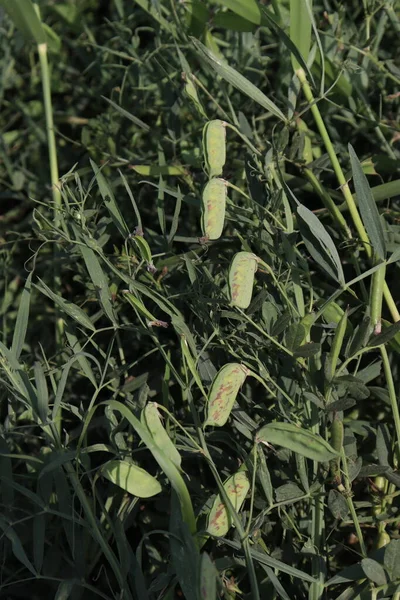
[
  {"x": 213, "y": 208},
  {"x": 160, "y": 436},
  {"x": 298, "y": 440},
  {"x": 224, "y": 390},
  {"x": 132, "y": 479},
  {"x": 214, "y": 147},
  {"x": 241, "y": 278},
  {"x": 219, "y": 520}
]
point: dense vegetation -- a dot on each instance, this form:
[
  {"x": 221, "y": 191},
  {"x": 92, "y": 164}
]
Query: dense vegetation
[{"x": 179, "y": 420}]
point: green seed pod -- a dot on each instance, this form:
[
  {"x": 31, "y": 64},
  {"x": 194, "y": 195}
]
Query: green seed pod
[
  {"x": 219, "y": 520},
  {"x": 383, "y": 540},
  {"x": 224, "y": 390},
  {"x": 132, "y": 479},
  {"x": 213, "y": 208},
  {"x": 298, "y": 440},
  {"x": 241, "y": 278},
  {"x": 160, "y": 436},
  {"x": 214, "y": 147}
]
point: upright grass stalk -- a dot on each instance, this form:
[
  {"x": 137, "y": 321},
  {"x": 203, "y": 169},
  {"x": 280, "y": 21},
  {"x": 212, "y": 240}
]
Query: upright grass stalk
[
  {"x": 344, "y": 186},
  {"x": 51, "y": 140}
]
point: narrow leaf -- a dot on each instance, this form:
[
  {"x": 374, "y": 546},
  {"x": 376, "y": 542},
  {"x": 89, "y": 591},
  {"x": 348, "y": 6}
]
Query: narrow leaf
[
  {"x": 71, "y": 309},
  {"x": 367, "y": 205},
  {"x": 25, "y": 18},
  {"x": 109, "y": 201},
  {"x": 21, "y": 324},
  {"x": 237, "y": 80},
  {"x": 320, "y": 244},
  {"x": 300, "y": 29}
]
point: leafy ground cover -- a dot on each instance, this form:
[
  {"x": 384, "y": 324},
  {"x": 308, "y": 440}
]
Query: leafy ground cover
[{"x": 199, "y": 358}]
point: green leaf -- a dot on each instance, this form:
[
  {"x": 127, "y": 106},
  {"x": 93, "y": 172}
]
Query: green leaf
[
  {"x": 374, "y": 571},
  {"x": 392, "y": 559},
  {"x": 300, "y": 29},
  {"x": 64, "y": 589},
  {"x": 229, "y": 20},
  {"x": 369, "y": 212},
  {"x": 247, "y": 9},
  {"x": 265, "y": 559},
  {"x": 287, "y": 492},
  {"x": 320, "y": 244},
  {"x": 131, "y": 478},
  {"x": 21, "y": 324},
  {"x": 298, "y": 440},
  {"x": 16, "y": 545},
  {"x": 26, "y": 19},
  {"x": 184, "y": 552},
  {"x": 237, "y": 80},
  {"x": 127, "y": 115},
  {"x": 382, "y": 338},
  {"x": 65, "y": 306},
  {"x": 109, "y": 201},
  {"x": 337, "y": 505},
  {"x": 42, "y": 393},
  {"x": 99, "y": 281}
]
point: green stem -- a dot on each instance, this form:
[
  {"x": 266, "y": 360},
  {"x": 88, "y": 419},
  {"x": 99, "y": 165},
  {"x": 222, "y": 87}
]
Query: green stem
[
  {"x": 377, "y": 283},
  {"x": 343, "y": 184},
  {"x": 51, "y": 140},
  {"x": 350, "y": 504},
  {"x": 392, "y": 395}
]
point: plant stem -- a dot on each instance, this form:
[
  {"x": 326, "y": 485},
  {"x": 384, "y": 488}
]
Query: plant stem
[
  {"x": 51, "y": 140},
  {"x": 350, "y": 504},
  {"x": 343, "y": 184},
  {"x": 392, "y": 396},
  {"x": 377, "y": 282}
]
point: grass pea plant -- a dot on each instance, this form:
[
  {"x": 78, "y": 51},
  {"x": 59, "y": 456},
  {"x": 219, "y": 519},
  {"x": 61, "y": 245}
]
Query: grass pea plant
[{"x": 199, "y": 359}]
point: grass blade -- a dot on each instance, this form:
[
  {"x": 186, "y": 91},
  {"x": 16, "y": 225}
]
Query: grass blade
[
  {"x": 21, "y": 324},
  {"x": 26, "y": 19},
  {"x": 300, "y": 30},
  {"x": 237, "y": 80},
  {"x": 324, "y": 251},
  {"x": 109, "y": 201},
  {"x": 69, "y": 308},
  {"x": 368, "y": 209}
]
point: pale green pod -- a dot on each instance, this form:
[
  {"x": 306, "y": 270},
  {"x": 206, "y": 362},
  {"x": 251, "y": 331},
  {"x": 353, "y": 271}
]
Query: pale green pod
[
  {"x": 132, "y": 479},
  {"x": 160, "y": 436},
  {"x": 214, "y": 147},
  {"x": 219, "y": 519},
  {"x": 241, "y": 278},
  {"x": 298, "y": 440},
  {"x": 224, "y": 390},
  {"x": 213, "y": 208}
]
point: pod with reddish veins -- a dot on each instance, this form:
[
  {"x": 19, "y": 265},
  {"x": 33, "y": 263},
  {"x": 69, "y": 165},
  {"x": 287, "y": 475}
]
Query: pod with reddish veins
[
  {"x": 224, "y": 390},
  {"x": 241, "y": 278},
  {"x": 213, "y": 208},
  {"x": 219, "y": 519}
]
